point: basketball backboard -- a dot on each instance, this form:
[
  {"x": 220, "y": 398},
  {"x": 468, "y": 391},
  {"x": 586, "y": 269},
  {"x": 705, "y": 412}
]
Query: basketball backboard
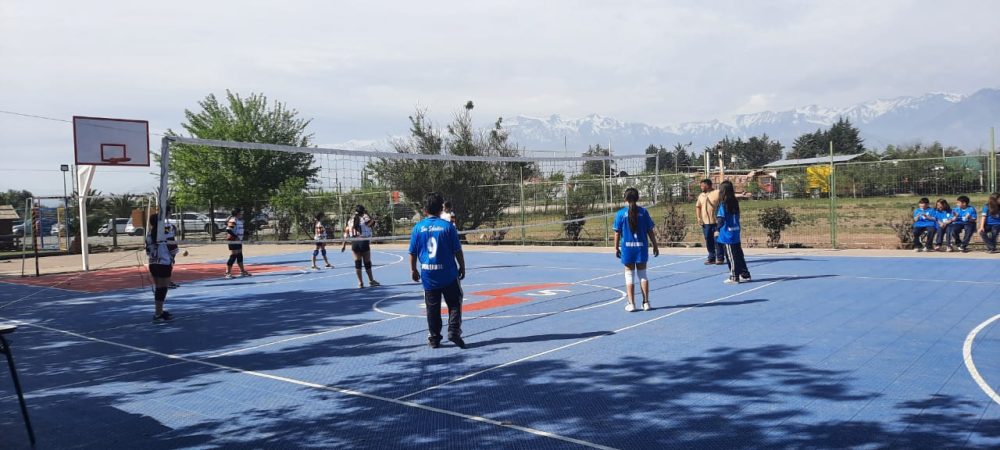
[{"x": 100, "y": 141}]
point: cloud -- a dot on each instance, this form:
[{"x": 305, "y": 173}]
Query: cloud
[{"x": 359, "y": 68}]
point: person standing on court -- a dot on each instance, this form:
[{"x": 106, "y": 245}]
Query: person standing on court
[
  {"x": 359, "y": 228},
  {"x": 728, "y": 219},
  {"x": 705, "y": 209},
  {"x": 160, "y": 267},
  {"x": 634, "y": 231},
  {"x": 234, "y": 234},
  {"x": 434, "y": 243}
]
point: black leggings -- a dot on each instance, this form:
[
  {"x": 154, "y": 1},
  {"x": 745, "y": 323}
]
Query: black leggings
[{"x": 737, "y": 263}]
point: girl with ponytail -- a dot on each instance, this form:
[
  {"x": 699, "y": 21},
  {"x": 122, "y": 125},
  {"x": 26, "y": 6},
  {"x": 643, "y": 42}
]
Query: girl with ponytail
[
  {"x": 728, "y": 232},
  {"x": 634, "y": 232}
]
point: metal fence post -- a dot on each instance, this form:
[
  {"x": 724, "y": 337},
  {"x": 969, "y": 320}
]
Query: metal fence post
[
  {"x": 833, "y": 200},
  {"x": 521, "y": 184}
]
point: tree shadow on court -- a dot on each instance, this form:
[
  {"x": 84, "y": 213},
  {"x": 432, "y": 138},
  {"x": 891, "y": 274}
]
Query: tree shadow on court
[
  {"x": 752, "y": 397},
  {"x": 707, "y": 305},
  {"x": 536, "y": 338}
]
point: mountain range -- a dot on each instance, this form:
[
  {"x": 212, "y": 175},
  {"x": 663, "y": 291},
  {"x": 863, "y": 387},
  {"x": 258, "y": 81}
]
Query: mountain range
[{"x": 956, "y": 120}]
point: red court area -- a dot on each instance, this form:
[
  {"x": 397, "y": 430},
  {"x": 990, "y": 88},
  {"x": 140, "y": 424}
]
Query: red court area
[{"x": 106, "y": 280}]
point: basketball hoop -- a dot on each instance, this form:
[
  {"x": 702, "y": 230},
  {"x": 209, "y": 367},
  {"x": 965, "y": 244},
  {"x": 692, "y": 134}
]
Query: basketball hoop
[{"x": 114, "y": 161}]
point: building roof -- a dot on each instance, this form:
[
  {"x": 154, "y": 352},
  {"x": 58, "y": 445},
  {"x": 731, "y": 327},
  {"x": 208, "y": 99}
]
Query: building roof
[
  {"x": 812, "y": 161},
  {"x": 8, "y": 212}
]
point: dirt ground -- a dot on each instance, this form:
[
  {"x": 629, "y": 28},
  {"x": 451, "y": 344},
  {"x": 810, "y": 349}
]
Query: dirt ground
[{"x": 131, "y": 258}]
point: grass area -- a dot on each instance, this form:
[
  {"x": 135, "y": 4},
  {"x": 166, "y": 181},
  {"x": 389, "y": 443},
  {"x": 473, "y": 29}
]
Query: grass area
[{"x": 861, "y": 222}]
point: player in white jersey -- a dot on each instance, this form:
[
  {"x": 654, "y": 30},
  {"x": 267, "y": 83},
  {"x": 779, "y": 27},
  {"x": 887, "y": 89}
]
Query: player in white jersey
[
  {"x": 448, "y": 214},
  {"x": 359, "y": 229},
  {"x": 169, "y": 234},
  {"x": 319, "y": 234},
  {"x": 234, "y": 234},
  {"x": 160, "y": 267}
]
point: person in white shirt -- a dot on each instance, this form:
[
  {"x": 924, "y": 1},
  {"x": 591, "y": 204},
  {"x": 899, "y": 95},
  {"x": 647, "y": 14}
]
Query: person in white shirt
[
  {"x": 448, "y": 214},
  {"x": 160, "y": 267},
  {"x": 359, "y": 231},
  {"x": 319, "y": 235},
  {"x": 234, "y": 234}
]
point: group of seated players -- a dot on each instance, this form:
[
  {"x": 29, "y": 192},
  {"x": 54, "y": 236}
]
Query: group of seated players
[{"x": 944, "y": 228}]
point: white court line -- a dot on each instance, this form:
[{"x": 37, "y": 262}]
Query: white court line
[
  {"x": 304, "y": 336},
  {"x": 582, "y": 341},
  {"x": 344, "y": 391},
  {"x": 971, "y": 365}
]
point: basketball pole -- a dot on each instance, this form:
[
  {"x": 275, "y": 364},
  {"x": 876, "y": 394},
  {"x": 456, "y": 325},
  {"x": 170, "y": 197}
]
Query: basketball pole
[
  {"x": 161, "y": 202},
  {"x": 85, "y": 176}
]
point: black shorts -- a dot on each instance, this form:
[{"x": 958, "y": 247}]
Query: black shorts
[
  {"x": 236, "y": 247},
  {"x": 361, "y": 247},
  {"x": 160, "y": 270},
  {"x": 320, "y": 245}
]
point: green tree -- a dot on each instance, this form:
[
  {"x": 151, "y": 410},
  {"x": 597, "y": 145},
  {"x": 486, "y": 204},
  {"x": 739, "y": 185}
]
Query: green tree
[
  {"x": 845, "y": 137},
  {"x": 680, "y": 156},
  {"x": 121, "y": 205},
  {"x": 209, "y": 176},
  {"x": 16, "y": 199},
  {"x": 597, "y": 167},
  {"x": 479, "y": 191}
]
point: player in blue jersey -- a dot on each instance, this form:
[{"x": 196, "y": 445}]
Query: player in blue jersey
[
  {"x": 728, "y": 219},
  {"x": 944, "y": 217},
  {"x": 634, "y": 232},
  {"x": 923, "y": 222},
  {"x": 965, "y": 223},
  {"x": 435, "y": 244},
  {"x": 989, "y": 224}
]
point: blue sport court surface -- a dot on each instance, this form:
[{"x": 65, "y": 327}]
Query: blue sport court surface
[{"x": 817, "y": 351}]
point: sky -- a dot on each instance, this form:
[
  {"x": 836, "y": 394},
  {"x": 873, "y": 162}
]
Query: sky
[{"x": 358, "y": 69}]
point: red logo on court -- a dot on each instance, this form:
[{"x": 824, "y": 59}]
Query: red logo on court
[{"x": 502, "y": 297}]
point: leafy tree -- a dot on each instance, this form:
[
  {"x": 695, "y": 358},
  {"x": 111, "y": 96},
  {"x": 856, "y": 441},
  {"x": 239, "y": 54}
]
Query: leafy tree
[
  {"x": 919, "y": 150},
  {"x": 121, "y": 205},
  {"x": 479, "y": 191},
  {"x": 16, "y": 199},
  {"x": 750, "y": 154},
  {"x": 595, "y": 167},
  {"x": 845, "y": 137},
  {"x": 681, "y": 158},
  {"x": 292, "y": 208},
  {"x": 209, "y": 176}
]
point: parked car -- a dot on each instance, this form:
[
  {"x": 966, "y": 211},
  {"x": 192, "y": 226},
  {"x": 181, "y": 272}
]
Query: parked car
[
  {"x": 56, "y": 229},
  {"x": 133, "y": 230},
  {"x": 19, "y": 229},
  {"x": 196, "y": 223},
  {"x": 120, "y": 224}
]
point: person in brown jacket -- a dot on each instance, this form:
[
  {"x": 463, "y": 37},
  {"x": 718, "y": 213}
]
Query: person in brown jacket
[{"x": 705, "y": 209}]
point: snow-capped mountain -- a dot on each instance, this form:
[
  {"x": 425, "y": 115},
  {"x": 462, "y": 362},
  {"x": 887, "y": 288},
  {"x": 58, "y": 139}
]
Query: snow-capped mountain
[{"x": 952, "y": 119}]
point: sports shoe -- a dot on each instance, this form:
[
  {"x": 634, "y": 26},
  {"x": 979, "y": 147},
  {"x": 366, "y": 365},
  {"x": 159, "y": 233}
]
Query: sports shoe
[
  {"x": 329, "y": 266},
  {"x": 314, "y": 268},
  {"x": 720, "y": 263},
  {"x": 937, "y": 248},
  {"x": 361, "y": 285},
  {"x": 965, "y": 249},
  {"x": 457, "y": 341},
  {"x": 244, "y": 274},
  {"x": 229, "y": 276},
  {"x": 745, "y": 276},
  {"x": 374, "y": 283},
  {"x": 918, "y": 249},
  {"x": 731, "y": 281},
  {"x": 710, "y": 262},
  {"x": 950, "y": 249},
  {"x": 163, "y": 316},
  {"x": 645, "y": 306},
  {"x": 629, "y": 307},
  {"x": 173, "y": 285},
  {"x": 433, "y": 343}
]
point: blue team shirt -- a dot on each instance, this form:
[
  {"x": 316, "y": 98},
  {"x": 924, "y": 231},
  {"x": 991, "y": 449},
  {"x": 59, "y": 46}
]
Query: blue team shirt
[
  {"x": 961, "y": 214},
  {"x": 943, "y": 216},
  {"x": 925, "y": 218},
  {"x": 990, "y": 220},
  {"x": 435, "y": 241},
  {"x": 729, "y": 230},
  {"x": 638, "y": 238}
]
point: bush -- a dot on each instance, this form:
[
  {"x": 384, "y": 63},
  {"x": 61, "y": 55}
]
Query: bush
[
  {"x": 904, "y": 229},
  {"x": 573, "y": 229},
  {"x": 674, "y": 225},
  {"x": 774, "y": 220}
]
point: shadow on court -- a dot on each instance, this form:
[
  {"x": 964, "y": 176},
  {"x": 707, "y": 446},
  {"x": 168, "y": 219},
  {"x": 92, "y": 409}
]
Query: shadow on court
[{"x": 726, "y": 398}]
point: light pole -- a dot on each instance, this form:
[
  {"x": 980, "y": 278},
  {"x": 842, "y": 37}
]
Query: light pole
[{"x": 65, "y": 229}]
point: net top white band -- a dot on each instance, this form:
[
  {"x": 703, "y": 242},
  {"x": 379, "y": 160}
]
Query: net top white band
[{"x": 391, "y": 155}]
